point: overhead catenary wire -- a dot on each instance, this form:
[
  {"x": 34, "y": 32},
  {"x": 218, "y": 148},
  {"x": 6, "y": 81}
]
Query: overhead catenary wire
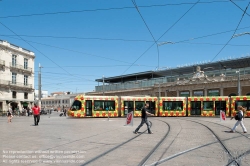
[
  {"x": 239, "y": 7},
  {"x": 157, "y": 47},
  {"x": 177, "y": 42},
  {"x": 232, "y": 35},
  {"x": 79, "y": 52},
  {"x": 161, "y": 36},
  {"x": 110, "y": 39},
  {"x": 117, "y": 8},
  {"x": 35, "y": 48}
]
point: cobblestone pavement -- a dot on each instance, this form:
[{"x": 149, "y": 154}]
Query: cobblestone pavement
[{"x": 97, "y": 141}]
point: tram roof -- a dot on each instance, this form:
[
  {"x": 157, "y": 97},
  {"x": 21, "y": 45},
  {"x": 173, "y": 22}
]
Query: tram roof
[{"x": 179, "y": 71}]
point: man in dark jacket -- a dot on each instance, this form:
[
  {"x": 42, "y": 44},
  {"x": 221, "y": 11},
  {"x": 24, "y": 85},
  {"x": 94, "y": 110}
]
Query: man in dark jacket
[{"x": 144, "y": 119}]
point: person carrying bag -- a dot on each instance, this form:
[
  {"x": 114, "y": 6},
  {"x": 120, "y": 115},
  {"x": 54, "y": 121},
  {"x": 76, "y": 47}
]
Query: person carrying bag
[{"x": 239, "y": 117}]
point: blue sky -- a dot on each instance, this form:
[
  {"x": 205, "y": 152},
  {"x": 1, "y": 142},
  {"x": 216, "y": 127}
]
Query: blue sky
[{"x": 79, "y": 41}]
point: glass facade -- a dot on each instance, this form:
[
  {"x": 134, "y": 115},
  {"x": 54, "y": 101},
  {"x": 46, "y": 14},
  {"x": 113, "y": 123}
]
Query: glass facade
[
  {"x": 230, "y": 74},
  {"x": 184, "y": 94},
  {"x": 214, "y": 92},
  {"x": 199, "y": 93}
]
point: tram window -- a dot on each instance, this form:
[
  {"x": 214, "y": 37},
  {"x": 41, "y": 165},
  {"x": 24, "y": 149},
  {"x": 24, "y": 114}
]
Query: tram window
[
  {"x": 77, "y": 105},
  {"x": 102, "y": 105},
  {"x": 245, "y": 104},
  {"x": 172, "y": 105},
  {"x": 139, "y": 105},
  {"x": 207, "y": 105},
  {"x": 129, "y": 106}
]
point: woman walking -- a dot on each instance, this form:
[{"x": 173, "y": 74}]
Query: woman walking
[
  {"x": 9, "y": 115},
  {"x": 240, "y": 118}
]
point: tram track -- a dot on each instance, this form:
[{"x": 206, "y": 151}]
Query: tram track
[
  {"x": 186, "y": 151},
  {"x": 114, "y": 148},
  {"x": 232, "y": 159},
  {"x": 240, "y": 156},
  {"x": 145, "y": 159}
]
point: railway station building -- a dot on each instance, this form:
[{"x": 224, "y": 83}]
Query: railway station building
[{"x": 229, "y": 77}]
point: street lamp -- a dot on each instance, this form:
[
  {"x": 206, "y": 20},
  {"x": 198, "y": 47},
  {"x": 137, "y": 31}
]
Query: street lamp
[
  {"x": 239, "y": 91},
  {"x": 39, "y": 86},
  {"x": 160, "y": 44},
  {"x": 241, "y": 34}
]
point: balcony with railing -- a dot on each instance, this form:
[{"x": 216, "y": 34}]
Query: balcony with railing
[
  {"x": 4, "y": 83},
  {"x": 20, "y": 68},
  {"x": 2, "y": 63},
  {"x": 20, "y": 85},
  {"x": 16, "y": 85}
]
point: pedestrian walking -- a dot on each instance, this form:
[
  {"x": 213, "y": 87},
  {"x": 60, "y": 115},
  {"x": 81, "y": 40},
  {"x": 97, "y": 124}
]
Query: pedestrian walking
[
  {"x": 239, "y": 118},
  {"x": 9, "y": 115},
  {"x": 28, "y": 111},
  {"x": 36, "y": 114},
  {"x": 144, "y": 113}
]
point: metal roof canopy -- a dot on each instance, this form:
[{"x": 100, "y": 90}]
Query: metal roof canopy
[{"x": 179, "y": 71}]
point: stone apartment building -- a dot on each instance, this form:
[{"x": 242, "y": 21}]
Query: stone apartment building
[
  {"x": 16, "y": 77},
  {"x": 58, "y": 101}
]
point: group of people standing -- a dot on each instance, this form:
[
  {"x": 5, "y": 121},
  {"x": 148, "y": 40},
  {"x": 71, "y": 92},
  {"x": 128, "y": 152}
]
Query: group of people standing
[{"x": 35, "y": 112}]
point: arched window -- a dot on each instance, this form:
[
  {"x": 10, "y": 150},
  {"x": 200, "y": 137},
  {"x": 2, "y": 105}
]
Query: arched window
[
  {"x": 248, "y": 94},
  {"x": 232, "y": 94}
]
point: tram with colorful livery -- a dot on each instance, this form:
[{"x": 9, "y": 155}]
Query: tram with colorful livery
[
  {"x": 240, "y": 100},
  {"x": 208, "y": 106},
  {"x": 120, "y": 106},
  {"x": 94, "y": 106},
  {"x": 172, "y": 106},
  {"x": 131, "y": 103}
]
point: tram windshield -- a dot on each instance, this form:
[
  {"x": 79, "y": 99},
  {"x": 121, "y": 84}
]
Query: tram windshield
[{"x": 77, "y": 105}]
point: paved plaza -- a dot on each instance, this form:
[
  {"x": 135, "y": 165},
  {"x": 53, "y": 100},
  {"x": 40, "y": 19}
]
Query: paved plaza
[{"x": 182, "y": 141}]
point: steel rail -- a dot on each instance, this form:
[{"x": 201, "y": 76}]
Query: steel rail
[
  {"x": 145, "y": 159},
  {"x": 114, "y": 148}
]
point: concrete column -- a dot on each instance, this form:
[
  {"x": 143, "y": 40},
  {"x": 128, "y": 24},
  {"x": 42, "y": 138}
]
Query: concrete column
[
  {"x": 205, "y": 91},
  {"x": 177, "y": 93},
  {"x": 191, "y": 93},
  {"x": 221, "y": 91}
]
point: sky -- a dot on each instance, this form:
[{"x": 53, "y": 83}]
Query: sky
[{"x": 79, "y": 41}]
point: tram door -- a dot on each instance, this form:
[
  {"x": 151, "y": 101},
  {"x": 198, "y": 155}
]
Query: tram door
[
  {"x": 220, "y": 105},
  {"x": 128, "y": 107},
  {"x": 151, "y": 107},
  {"x": 88, "y": 108},
  {"x": 195, "y": 108}
]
